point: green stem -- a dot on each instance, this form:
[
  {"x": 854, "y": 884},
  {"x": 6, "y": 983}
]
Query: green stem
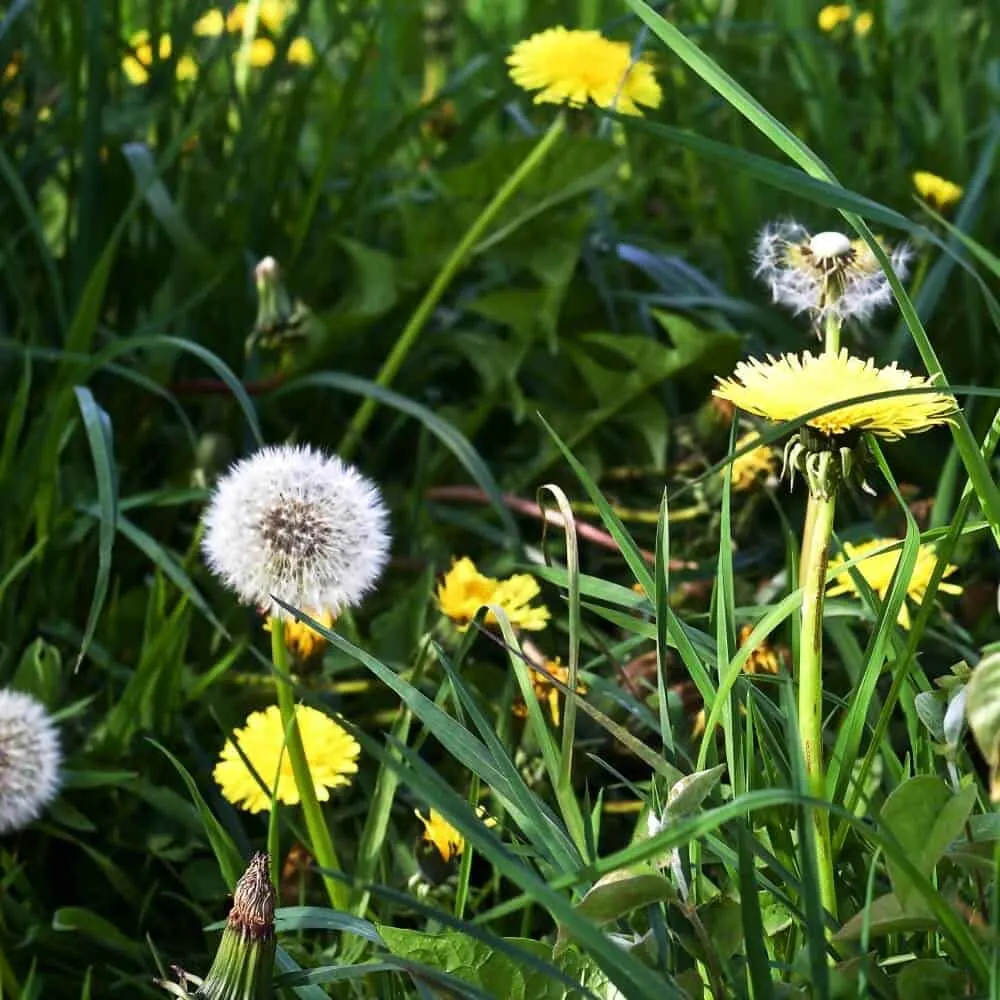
[
  {"x": 810, "y": 679},
  {"x": 454, "y": 263},
  {"x": 319, "y": 834}
]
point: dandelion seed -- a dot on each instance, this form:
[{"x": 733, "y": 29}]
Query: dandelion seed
[
  {"x": 30, "y": 758},
  {"x": 877, "y": 567},
  {"x": 443, "y": 836},
  {"x": 292, "y": 523},
  {"x": 791, "y": 386},
  {"x": 574, "y": 67},
  {"x": 330, "y": 751},
  {"x": 826, "y": 273},
  {"x": 464, "y": 590},
  {"x": 939, "y": 192}
]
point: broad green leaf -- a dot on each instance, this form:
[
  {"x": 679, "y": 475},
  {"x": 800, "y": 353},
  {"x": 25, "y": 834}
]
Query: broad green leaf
[
  {"x": 688, "y": 793},
  {"x": 96, "y": 927},
  {"x": 925, "y": 816},
  {"x": 983, "y": 709},
  {"x": 931, "y": 979},
  {"x": 884, "y": 916}
]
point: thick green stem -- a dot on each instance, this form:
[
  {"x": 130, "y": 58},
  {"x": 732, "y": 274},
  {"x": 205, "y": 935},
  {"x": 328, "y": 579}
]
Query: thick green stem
[
  {"x": 810, "y": 679},
  {"x": 319, "y": 834},
  {"x": 454, "y": 263}
]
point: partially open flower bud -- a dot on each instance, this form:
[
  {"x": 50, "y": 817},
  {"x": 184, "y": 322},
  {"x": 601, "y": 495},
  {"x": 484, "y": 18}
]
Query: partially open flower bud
[{"x": 244, "y": 964}]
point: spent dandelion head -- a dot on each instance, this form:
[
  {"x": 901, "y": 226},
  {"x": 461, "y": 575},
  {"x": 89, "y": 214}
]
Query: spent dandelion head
[
  {"x": 330, "y": 751},
  {"x": 829, "y": 447},
  {"x": 939, "y": 192},
  {"x": 30, "y": 759},
  {"x": 876, "y": 563},
  {"x": 293, "y": 523},
  {"x": 576, "y": 67},
  {"x": 464, "y": 590},
  {"x": 825, "y": 273}
]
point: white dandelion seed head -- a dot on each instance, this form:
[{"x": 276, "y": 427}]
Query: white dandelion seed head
[
  {"x": 799, "y": 268},
  {"x": 30, "y": 759},
  {"x": 829, "y": 244},
  {"x": 293, "y": 523}
]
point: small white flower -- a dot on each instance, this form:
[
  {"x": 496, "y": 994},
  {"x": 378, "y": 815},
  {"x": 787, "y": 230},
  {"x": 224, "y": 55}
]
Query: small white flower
[
  {"x": 293, "y": 523},
  {"x": 826, "y": 273},
  {"x": 30, "y": 757}
]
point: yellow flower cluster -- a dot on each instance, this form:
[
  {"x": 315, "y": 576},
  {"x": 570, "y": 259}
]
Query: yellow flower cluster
[
  {"x": 464, "y": 590},
  {"x": 877, "y": 567},
  {"x": 137, "y": 63},
  {"x": 331, "y": 753},
  {"x": 576, "y": 67},
  {"x": 271, "y": 15},
  {"x": 939, "y": 192},
  {"x": 833, "y": 15},
  {"x": 747, "y": 470}
]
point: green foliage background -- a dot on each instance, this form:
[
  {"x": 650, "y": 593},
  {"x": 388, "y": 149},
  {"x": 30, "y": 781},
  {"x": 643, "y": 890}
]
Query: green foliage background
[{"x": 604, "y": 298}]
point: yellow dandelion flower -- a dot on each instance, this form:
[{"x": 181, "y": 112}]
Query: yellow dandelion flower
[
  {"x": 788, "y": 387},
  {"x": 300, "y": 639},
  {"x": 331, "y": 753},
  {"x": 833, "y": 15},
  {"x": 939, "y": 192},
  {"x": 877, "y": 567},
  {"x": 547, "y": 692},
  {"x": 464, "y": 590},
  {"x": 13, "y": 67},
  {"x": 271, "y": 15},
  {"x": 439, "y": 832},
  {"x": 763, "y": 660},
  {"x": 863, "y": 23},
  {"x": 137, "y": 63},
  {"x": 261, "y": 52},
  {"x": 210, "y": 24},
  {"x": 187, "y": 69},
  {"x": 748, "y": 470},
  {"x": 301, "y": 52},
  {"x": 574, "y": 67}
]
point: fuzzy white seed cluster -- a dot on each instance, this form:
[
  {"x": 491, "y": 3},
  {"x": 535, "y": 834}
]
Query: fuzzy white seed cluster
[
  {"x": 293, "y": 523},
  {"x": 30, "y": 759},
  {"x": 799, "y": 268}
]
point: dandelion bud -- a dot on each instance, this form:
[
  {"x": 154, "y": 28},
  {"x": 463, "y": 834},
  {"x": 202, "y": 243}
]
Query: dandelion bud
[
  {"x": 293, "y": 523},
  {"x": 29, "y": 760},
  {"x": 244, "y": 964}
]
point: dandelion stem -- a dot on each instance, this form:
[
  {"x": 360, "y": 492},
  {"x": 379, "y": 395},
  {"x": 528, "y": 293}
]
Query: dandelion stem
[
  {"x": 810, "y": 679},
  {"x": 454, "y": 263},
  {"x": 319, "y": 834}
]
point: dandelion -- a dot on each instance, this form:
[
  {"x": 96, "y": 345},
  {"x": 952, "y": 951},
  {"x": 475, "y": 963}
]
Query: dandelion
[
  {"x": 763, "y": 659},
  {"x": 137, "y": 63},
  {"x": 877, "y": 567},
  {"x": 301, "y": 52},
  {"x": 443, "y": 836},
  {"x": 330, "y": 751},
  {"x": 464, "y": 590},
  {"x": 271, "y": 15},
  {"x": 833, "y": 15},
  {"x": 261, "y": 53},
  {"x": 546, "y": 691},
  {"x": 574, "y": 67},
  {"x": 30, "y": 758},
  {"x": 863, "y": 23},
  {"x": 244, "y": 963},
  {"x": 210, "y": 25},
  {"x": 293, "y": 523},
  {"x": 788, "y": 387},
  {"x": 939, "y": 192},
  {"x": 300, "y": 639},
  {"x": 824, "y": 274},
  {"x": 747, "y": 470}
]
